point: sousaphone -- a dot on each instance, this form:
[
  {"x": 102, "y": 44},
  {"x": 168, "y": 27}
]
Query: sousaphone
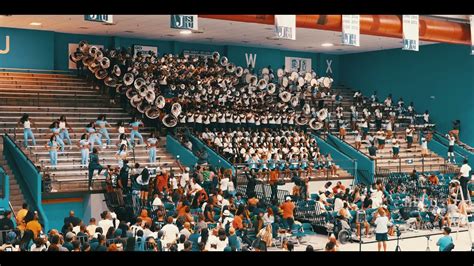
[
  {"x": 285, "y": 96},
  {"x": 284, "y": 82},
  {"x": 136, "y": 100},
  {"x": 111, "y": 81},
  {"x": 239, "y": 71},
  {"x": 131, "y": 92},
  {"x": 306, "y": 109},
  {"x": 150, "y": 96},
  {"x": 138, "y": 83},
  {"x": 322, "y": 114},
  {"x": 265, "y": 71},
  {"x": 262, "y": 84},
  {"x": 216, "y": 56},
  {"x": 308, "y": 77},
  {"x": 105, "y": 63},
  {"x": 271, "y": 88},
  {"x": 253, "y": 80},
  {"x": 315, "y": 124},
  {"x": 116, "y": 71},
  {"x": 153, "y": 112},
  {"x": 176, "y": 109},
  {"x": 169, "y": 121},
  {"x": 100, "y": 73},
  {"x": 224, "y": 61},
  {"x": 128, "y": 79},
  {"x": 76, "y": 57},
  {"x": 294, "y": 101},
  {"x": 83, "y": 46},
  {"x": 294, "y": 76},
  {"x": 301, "y": 120},
  {"x": 160, "y": 102},
  {"x": 280, "y": 73},
  {"x": 143, "y": 90}
]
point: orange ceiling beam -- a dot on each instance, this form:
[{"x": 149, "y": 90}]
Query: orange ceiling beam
[{"x": 431, "y": 30}]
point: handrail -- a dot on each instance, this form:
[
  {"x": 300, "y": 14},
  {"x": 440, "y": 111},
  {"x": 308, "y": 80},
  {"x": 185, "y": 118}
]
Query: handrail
[
  {"x": 348, "y": 144},
  {"x": 35, "y": 195},
  {"x": 438, "y": 135},
  {"x": 11, "y": 208}
]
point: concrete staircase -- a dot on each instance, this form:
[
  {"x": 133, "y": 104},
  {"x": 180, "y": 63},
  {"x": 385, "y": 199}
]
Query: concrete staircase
[
  {"x": 45, "y": 97},
  {"x": 16, "y": 197},
  {"x": 409, "y": 159}
]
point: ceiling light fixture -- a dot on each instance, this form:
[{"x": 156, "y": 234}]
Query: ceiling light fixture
[
  {"x": 327, "y": 44},
  {"x": 186, "y": 32},
  {"x": 35, "y": 23}
]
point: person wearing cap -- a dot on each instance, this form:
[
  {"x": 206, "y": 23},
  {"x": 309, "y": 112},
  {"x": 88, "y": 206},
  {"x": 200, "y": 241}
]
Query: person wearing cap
[
  {"x": 6, "y": 222},
  {"x": 288, "y": 207},
  {"x": 70, "y": 237},
  {"x": 464, "y": 178},
  {"x": 20, "y": 215},
  {"x": 10, "y": 243}
]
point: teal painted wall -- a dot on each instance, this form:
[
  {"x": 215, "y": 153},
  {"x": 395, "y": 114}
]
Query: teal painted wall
[
  {"x": 444, "y": 71},
  {"x": 49, "y": 50},
  {"x": 58, "y": 211}
]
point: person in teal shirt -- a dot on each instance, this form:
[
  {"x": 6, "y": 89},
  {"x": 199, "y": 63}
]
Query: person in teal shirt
[
  {"x": 135, "y": 124},
  {"x": 446, "y": 240},
  {"x": 102, "y": 123}
]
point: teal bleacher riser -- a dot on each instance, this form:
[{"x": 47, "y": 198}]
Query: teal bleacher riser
[
  {"x": 214, "y": 159},
  {"x": 365, "y": 165},
  {"x": 342, "y": 160},
  {"x": 5, "y": 184},
  {"x": 28, "y": 177},
  {"x": 186, "y": 157}
]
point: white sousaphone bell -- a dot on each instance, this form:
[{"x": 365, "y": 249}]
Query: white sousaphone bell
[
  {"x": 322, "y": 114},
  {"x": 143, "y": 90},
  {"x": 224, "y": 61},
  {"x": 285, "y": 96},
  {"x": 105, "y": 63},
  {"x": 253, "y": 80},
  {"x": 308, "y": 77},
  {"x": 306, "y": 109},
  {"x": 280, "y": 73},
  {"x": 160, "y": 102},
  {"x": 176, "y": 109},
  {"x": 111, "y": 81},
  {"x": 136, "y": 100},
  {"x": 265, "y": 71},
  {"x": 116, "y": 71},
  {"x": 294, "y": 101},
  {"x": 239, "y": 71},
  {"x": 101, "y": 73},
  {"x": 262, "y": 84},
  {"x": 150, "y": 96},
  {"x": 314, "y": 82},
  {"x": 294, "y": 76},
  {"x": 301, "y": 120},
  {"x": 138, "y": 83},
  {"x": 153, "y": 112},
  {"x": 271, "y": 88},
  {"x": 169, "y": 120},
  {"x": 128, "y": 79},
  {"x": 284, "y": 82},
  {"x": 315, "y": 124},
  {"x": 216, "y": 56},
  {"x": 230, "y": 68},
  {"x": 301, "y": 81},
  {"x": 130, "y": 92}
]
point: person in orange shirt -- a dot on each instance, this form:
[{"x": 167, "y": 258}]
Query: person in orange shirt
[
  {"x": 273, "y": 181},
  {"x": 34, "y": 225},
  {"x": 145, "y": 218},
  {"x": 20, "y": 215},
  {"x": 433, "y": 179},
  {"x": 162, "y": 181},
  {"x": 288, "y": 207},
  {"x": 339, "y": 187}
]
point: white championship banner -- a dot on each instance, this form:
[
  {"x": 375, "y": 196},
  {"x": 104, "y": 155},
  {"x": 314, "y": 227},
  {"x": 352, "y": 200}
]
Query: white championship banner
[
  {"x": 144, "y": 50},
  {"x": 285, "y": 27},
  {"x": 297, "y": 64},
  {"x": 72, "y": 48},
  {"x": 351, "y": 30},
  {"x": 411, "y": 32}
]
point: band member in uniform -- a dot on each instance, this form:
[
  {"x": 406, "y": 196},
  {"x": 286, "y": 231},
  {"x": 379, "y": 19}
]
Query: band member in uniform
[
  {"x": 52, "y": 147},
  {"x": 409, "y": 136},
  {"x": 64, "y": 125},
  {"x": 27, "y": 132},
  {"x": 84, "y": 147},
  {"x": 56, "y": 130},
  {"x": 395, "y": 147},
  {"x": 151, "y": 144},
  {"x": 135, "y": 124}
]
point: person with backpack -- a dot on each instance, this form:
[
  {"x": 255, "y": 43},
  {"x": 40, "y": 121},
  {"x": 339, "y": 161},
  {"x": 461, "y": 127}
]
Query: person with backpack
[{"x": 445, "y": 243}]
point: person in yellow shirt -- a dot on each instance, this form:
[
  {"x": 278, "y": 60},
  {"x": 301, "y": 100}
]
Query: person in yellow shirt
[
  {"x": 20, "y": 215},
  {"x": 34, "y": 225}
]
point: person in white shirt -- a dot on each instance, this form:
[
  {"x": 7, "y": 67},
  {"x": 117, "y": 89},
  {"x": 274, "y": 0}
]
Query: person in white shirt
[
  {"x": 91, "y": 227},
  {"x": 424, "y": 146},
  {"x": 106, "y": 221},
  {"x": 451, "y": 140},
  {"x": 464, "y": 178},
  {"x": 170, "y": 232},
  {"x": 338, "y": 204},
  {"x": 157, "y": 202},
  {"x": 136, "y": 227},
  {"x": 381, "y": 229}
]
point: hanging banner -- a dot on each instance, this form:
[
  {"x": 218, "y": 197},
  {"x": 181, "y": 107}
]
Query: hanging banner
[
  {"x": 198, "y": 53},
  {"x": 184, "y": 22},
  {"x": 297, "y": 64},
  {"x": 145, "y": 50},
  {"x": 285, "y": 27},
  {"x": 350, "y": 30},
  {"x": 100, "y": 18},
  {"x": 411, "y": 32},
  {"x": 472, "y": 33}
]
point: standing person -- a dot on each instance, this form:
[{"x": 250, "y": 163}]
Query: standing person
[
  {"x": 52, "y": 147},
  {"x": 381, "y": 230},
  {"x": 27, "y": 132},
  {"x": 103, "y": 124},
  {"x": 409, "y": 136},
  {"x": 464, "y": 178},
  {"x": 456, "y": 129},
  {"x": 123, "y": 176},
  {"x": 79, "y": 63},
  {"x": 94, "y": 165},
  {"x": 424, "y": 146},
  {"x": 287, "y": 207},
  {"x": 84, "y": 146},
  {"x": 395, "y": 147},
  {"x": 135, "y": 124},
  {"x": 56, "y": 130},
  {"x": 358, "y": 140},
  {"x": 143, "y": 180},
  {"x": 151, "y": 143},
  {"x": 93, "y": 136},
  {"x": 445, "y": 243},
  {"x": 121, "y": 155},
  {"x": 452, "y": 140},
  {"x": 63, "y": 126}
]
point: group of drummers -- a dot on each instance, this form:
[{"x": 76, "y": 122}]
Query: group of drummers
[{"x": 95, "y": 135}]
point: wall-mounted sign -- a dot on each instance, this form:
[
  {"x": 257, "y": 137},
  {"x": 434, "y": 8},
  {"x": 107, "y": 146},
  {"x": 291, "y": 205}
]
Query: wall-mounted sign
[
  {"x": 100, "y": 18},
  {"x": 351, "y": 30},
  {"x": 251, "y": 59},
  {"x": 7, "y": 46},
  {"x": 72, "y": 48},
  {"x": 285, "y": 27},
  {"x": 411, "y": 32},
  {"x": 145, "y": 50},
  {"x": 197, "y": 53},
  {"x": 472, "y": 33},
  {"x": 297, "y": 64},
  {"x": 184, "y": 22}
]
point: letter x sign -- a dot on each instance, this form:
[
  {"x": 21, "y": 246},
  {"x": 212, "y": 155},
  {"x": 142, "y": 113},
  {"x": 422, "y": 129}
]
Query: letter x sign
[{"x": 328, "y": 69}]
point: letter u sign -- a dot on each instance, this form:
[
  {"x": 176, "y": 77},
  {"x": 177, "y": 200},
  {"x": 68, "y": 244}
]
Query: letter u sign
[{"x": 7, "y": 46}]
